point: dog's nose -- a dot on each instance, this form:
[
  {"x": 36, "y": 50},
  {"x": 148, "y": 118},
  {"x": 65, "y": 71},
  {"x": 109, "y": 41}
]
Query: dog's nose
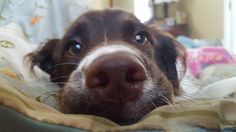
[{"x": 116, "y": 78}]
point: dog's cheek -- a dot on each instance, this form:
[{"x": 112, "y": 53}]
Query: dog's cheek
[
  {"x": 71, "y": 93},
  {"x": 70, "y": 102},
  {"x": 148, "y": 50},
  {"x": 75, "y": 96},
  {"x": 165, "y": 57},
  {"x": 65, "y": 103},
  {"x": 160, "y": 84}
]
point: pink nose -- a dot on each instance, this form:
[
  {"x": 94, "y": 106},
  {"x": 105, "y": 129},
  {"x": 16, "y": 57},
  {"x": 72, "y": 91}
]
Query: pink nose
[{"x": 116, "y": 78}]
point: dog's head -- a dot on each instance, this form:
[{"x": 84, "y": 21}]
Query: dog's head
[{"x": 111, "y": 65}]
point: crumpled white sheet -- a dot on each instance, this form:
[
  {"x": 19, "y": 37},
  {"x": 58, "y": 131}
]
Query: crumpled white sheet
[
  {"x": 215, "y": 81},
  {"x": 14, "y": 53},
  {"x": 13, "y": 48}
]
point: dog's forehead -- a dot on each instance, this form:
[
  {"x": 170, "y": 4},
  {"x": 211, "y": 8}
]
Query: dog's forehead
[
  {"x": 108, "y": 18},
  {"x": 109, "y": 23}
]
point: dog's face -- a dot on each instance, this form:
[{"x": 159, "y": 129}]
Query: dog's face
[{"x": 111, "y": 65}]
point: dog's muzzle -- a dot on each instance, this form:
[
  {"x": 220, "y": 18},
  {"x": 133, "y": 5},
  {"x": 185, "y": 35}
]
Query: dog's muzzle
[{"x": 114, "y": 76}]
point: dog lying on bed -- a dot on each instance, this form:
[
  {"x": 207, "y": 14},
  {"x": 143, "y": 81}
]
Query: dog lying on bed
[{"x": 110, "y": 64}]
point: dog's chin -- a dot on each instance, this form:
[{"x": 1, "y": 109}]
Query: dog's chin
[
  {"x": 125, "y": 114},
  {"x": 122, "y": 115}
]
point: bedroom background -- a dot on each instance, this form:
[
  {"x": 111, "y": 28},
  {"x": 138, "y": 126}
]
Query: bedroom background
[{"x": 206, "y": 28}]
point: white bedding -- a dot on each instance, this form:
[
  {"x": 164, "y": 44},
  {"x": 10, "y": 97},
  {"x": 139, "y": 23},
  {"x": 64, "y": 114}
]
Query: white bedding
[
  {"x": 15, "y": 71},
  {"x": 13, "y": 48}
]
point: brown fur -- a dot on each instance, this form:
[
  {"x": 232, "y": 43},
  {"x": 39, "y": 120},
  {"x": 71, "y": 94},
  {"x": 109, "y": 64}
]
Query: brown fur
[{"x": 159, "y": 56}]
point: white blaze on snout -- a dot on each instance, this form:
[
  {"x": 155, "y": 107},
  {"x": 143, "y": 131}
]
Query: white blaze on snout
[
  {"x": 111, "y": 49},
  {"x": 106, "y": 50}
]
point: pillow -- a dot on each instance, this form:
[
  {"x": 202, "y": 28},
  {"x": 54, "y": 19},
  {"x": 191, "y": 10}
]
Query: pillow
[{"x": 200, "y": 58}]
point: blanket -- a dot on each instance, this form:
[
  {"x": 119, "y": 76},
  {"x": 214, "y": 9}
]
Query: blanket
[{"x": 184, "y": 116}]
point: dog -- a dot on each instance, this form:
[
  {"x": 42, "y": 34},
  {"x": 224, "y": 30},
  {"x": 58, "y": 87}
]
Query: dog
[{"x": 109, "y": 64}]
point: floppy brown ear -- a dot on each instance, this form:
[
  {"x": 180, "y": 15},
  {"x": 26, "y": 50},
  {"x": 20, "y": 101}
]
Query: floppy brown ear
[
  {"x": 169, "y": 53},
  {"x": 43, "y": 57}
]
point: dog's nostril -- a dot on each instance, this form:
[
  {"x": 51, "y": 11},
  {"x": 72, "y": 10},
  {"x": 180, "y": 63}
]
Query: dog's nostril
[
  {"x": 135, "y": 74},
  {"x": 99, "y": 79},
  {"x": 103, "y": 79}
]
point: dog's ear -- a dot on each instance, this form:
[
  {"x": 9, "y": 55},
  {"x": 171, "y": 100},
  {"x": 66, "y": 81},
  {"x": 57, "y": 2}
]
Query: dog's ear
[
  {"x": 169, "y": 54},
  {"x": 43, "y": 56}
]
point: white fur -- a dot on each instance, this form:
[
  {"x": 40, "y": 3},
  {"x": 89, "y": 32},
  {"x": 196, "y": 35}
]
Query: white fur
[
  {"x": 110, "y": 49},
  {"x": 105, "y": 50}
]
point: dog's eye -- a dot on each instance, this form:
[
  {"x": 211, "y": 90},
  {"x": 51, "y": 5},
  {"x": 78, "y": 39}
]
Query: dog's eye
[
  {"x": 141, "y": 38},
  {"x": 75, "y": 47}
]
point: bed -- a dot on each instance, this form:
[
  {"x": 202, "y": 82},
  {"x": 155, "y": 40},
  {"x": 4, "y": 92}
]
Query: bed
[{"x": 29, "y": 103}]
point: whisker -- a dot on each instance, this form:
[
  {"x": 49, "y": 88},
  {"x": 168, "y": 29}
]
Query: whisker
[
  {"x": 59, "y": 64},
  {"x": 49, "y": 83},
  {"x": 153, "y": 104},
  {"x": 59, "y": 77},
  {"x": 46, "y": 97},
  {"x": 52, "y": 92},
  {"x": 191, "y": 83},
  {"x": 194, "y": 99},
  {"x": 190, "y": 88},
  {"x": 185, "y": 98},
  {"x": 167, "y": 101},
  {"x": 57, "y": 105}
]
